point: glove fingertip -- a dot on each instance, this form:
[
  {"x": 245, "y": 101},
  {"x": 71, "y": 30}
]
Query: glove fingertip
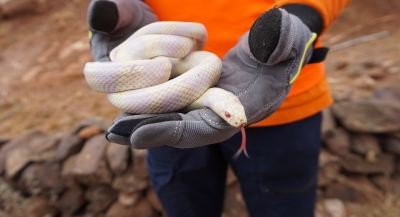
[
  {"x": 103, "y": 16},
  {"x": 265, "y": 33},
  {"x": 114, "y": 138}
]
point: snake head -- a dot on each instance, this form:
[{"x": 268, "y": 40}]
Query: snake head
[
  {"x": 234, "y": 115},
  {"x": 225, "y": 104}
]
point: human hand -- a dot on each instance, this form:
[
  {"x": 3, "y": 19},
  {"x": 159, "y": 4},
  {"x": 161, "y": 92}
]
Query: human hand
[
  {"x": 260, "y": 70},
  {"x": 112, "y": 21}
]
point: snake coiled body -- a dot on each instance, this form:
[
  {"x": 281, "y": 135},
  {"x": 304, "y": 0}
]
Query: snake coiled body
[{"x": 161, "y": 69}]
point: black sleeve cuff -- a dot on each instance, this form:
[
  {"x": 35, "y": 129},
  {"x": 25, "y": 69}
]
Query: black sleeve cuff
[{"x": 308, "y": 15}]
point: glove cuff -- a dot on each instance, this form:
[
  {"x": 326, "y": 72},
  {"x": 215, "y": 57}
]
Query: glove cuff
[{"x": 308, "y": 15}]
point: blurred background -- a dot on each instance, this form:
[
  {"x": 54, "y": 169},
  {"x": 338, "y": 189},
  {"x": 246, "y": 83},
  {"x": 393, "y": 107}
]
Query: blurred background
[{"x": 50, "y": 120}]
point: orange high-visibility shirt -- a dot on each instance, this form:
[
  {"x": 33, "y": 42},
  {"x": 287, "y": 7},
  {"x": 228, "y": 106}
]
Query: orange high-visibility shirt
[{"x": 227, "y": 20}]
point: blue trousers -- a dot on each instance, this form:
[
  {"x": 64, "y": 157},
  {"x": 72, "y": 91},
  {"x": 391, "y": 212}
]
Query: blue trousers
[{"x": 279, "y": 179}]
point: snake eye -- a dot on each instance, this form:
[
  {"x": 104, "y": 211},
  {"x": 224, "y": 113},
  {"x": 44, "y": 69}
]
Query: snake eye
[{"x": 227, "y": 115}]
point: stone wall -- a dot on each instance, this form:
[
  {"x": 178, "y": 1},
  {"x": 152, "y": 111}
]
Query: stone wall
[{"x": 79, "y": 173}]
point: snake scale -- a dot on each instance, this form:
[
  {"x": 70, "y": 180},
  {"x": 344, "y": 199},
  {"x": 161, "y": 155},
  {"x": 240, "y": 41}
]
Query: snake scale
[{"x": 161, "y": 68}]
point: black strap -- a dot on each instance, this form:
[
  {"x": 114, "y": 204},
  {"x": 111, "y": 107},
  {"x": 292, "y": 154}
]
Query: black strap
[{"x": 319, "y": 55}]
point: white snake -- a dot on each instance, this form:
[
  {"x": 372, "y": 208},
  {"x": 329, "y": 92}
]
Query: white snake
[{"x": 161, "y": 69}]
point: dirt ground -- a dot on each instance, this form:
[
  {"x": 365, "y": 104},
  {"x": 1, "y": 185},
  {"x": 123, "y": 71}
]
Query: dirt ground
[
  {"x": 41, "y": 71},
  {"x": 42, "y": 55}
]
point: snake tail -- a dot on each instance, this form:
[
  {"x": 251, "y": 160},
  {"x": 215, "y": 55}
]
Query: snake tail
[{"x": 242, "y": 146}]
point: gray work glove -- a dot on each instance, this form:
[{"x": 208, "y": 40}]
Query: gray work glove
[
  {"x": 112, "y": 21},
  {"x": 260, "y": 70}
]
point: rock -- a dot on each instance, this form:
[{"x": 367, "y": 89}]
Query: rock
[
  {"x": 67, "y": 171},
  {"x": 86, "y": 214},
  {"x": 339, "y": 65},
  {"x": 362, "y": 184},
  {"x": 335, "y": 207},
  {"x": 383, "y": 182},
  {"x": 343, "y": 192},
  {"x": 118, "y": 158},
  {"x": 129, "y": 199},
  {"x": 230, "y": 177},
  {"x": 41, "y": 179},
  {"x": 391, "y": 145},
  {"x": 397, "y": 167},
  {"x": 234, "y": 205},
  {"x": 100, "y": 198},
  {"x": 357, "y": 209},
  {"x": 364, "y": 143},
  {"x": 329, "y": 167},
  {"x": 376, "y": 73},
  {"x": 370, "y": 64},
  {"x": 44, "y": 149},
  {"x": 319, "y": 194},
  {"x": 353, "y": 163},
  {"x": 152, "y": 197},
  {"x": 102, "y": 175},
  {"x": 129, "y": 183},
  {"x": 338, "y": 142},
  {"x": 365, "y": 82},
  {"x": 39, "y": 148},
  {"x": 371, "y": 156},
  {"x": 394, "y": 89},
  {"x": 342, "y": 93},
  {"x": 357, "y": 116},
  {"x": 386, "y": 64},
  {"x": 101, "y": 122},
  {"x": 396, "y": 185},
  {"x": 328, "y": 173},
  {"x": 3, "y": 140},
  {"x": 39, "y": 207},
  {"x": 325, "y": 157},
  {"x": 139, "y": 163},
  {"x": 69, "y": 145},
  {"x": 359, "y": 95},
  {"x": 383, "y": 94},
  {"x": 142, "y": 209},
  {"x": 328, "y": 123},
  {"x": 15, "y": 143},
  {"x": 13, "y": 8},
  {"x": 391, "y": 92},
  {"x": 355, "y": 70},
  {"x": 12, "y": 203},
  {"x": 16, "y": 160},
  {"x": 32, "y": 73},
  {"x": 90, "y": 166},
  {"x": 72, "y": 49},
  {"x": 395, "y": 135},
  {"x": 394, "y": 70},
  {"x": 318, "y": 213},
  {"x": 88, "y": 132},
  {"x": 71, "y": 201}
]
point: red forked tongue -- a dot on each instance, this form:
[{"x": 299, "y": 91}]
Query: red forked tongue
[{"x": 242, "y": 147}]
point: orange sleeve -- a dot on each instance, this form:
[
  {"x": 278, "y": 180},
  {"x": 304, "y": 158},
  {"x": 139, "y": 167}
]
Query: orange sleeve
[{"x": 328, "y": 9}]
